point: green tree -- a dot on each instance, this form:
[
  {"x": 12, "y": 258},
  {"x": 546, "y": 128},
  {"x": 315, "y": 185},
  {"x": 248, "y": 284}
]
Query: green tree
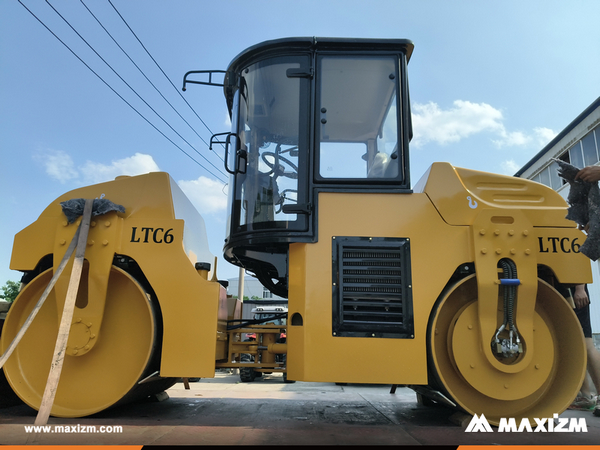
[{"x": 10, "y": 291}]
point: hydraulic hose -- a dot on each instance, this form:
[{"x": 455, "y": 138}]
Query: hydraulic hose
[{"x": 509, "y": 272}]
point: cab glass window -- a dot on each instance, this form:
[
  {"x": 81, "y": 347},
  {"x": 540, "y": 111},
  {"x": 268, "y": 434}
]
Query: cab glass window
[
  {"x": 271, "y": 107},
  {"x": 358, "y": 118}
]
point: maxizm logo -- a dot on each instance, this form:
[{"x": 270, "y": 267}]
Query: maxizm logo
[{"x": 544, "y": 425}]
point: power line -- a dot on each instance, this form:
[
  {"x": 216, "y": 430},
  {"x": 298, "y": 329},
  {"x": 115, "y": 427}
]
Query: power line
[
  {"x": 163, "y": 72},
  {"x": 133, "y": 90},
  {"x": 116, "y": 93},
  {"x": 142, "y": 72}
]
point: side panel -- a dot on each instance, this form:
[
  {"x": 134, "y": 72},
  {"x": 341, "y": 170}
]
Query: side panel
[
  {"x": 558, "y": 248},
  {"x": 189, "y": 303},
  {"x": 437, "y": 249},
  {"x": 479, "y": 218},
  {"x": 33, "y": 243}
]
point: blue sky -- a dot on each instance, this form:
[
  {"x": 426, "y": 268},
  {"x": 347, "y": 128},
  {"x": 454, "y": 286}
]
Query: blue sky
[{"x": 491, "y": 84}]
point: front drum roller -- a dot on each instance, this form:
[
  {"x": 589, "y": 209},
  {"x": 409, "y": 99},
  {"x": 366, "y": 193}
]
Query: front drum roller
[
  {"x": 544, "y": 386},
  {"x": 127, "y": 350}
]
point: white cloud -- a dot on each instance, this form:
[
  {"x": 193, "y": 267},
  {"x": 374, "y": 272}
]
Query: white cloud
[
  {"x": 539, "y": 137},
  {"x": 94, "y": 172},
  {"x": 207, "y": 195},
  {"x": 544, "y": 135},
  {"x": 431, "y": 123},
  {"x": 510, "y": 167},
  {"x": 58, "y": 164},
  {"x": 464, "y": 119},
  {"x": 512, "y": 139}
]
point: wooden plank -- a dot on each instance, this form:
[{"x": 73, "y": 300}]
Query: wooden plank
[
  {"x": 66, "y": 319},
  {"x": 460, "y": 418},
  {"x": 13, "y": 345}
]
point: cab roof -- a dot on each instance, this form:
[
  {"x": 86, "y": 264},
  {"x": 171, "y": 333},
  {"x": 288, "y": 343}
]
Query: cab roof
[{"x": 294, "y": 44}]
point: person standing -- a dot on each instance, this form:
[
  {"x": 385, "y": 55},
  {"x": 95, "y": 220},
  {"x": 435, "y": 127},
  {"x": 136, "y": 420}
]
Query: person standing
[
  {"x": 582, "y": 309},
  {"x": 581, "y": 299}
]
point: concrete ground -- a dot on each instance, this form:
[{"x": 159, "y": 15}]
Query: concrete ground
[{"x": 223, "y": 411}]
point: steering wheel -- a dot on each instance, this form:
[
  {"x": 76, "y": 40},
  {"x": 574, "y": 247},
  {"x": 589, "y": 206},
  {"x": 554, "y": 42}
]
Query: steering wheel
[
  {"x": 283, "y": 198},
  {"x": 278, "y": 169}
]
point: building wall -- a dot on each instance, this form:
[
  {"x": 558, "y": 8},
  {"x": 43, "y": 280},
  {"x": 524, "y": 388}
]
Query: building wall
[
  {"x": 257, "y": 296},
  {"x": 579, "y": 145},
  {"x": 252, "y": 289}
]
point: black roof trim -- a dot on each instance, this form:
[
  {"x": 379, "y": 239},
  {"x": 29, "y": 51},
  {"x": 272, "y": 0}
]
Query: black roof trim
[
  {"x": 322, "y": 43},
  {"x": 559, "y": 136}
]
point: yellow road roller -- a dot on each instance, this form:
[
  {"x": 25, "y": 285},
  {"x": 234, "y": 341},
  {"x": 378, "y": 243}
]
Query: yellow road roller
[{"x": 448, "y": 286}]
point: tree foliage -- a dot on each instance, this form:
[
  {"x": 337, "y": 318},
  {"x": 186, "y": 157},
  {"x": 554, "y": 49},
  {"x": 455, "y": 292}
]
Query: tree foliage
[{"x": 10, "y": 291}]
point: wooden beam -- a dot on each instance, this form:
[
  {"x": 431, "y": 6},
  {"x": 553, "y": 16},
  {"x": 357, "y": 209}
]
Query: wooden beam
[{"x": 66, "y": 319}]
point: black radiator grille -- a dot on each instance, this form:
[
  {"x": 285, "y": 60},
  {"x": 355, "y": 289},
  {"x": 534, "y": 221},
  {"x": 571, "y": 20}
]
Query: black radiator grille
[{"x": 372, "y": 287}]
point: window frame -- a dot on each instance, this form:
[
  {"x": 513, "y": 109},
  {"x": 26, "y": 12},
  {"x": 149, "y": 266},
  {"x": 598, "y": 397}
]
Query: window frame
[{"x": 375, "y": 184}]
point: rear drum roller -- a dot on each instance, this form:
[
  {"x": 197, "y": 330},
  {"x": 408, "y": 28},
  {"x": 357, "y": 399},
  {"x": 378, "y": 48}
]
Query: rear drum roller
[
  {"x": 127, "y": 349},
  {"x": 458, "y": 367}
]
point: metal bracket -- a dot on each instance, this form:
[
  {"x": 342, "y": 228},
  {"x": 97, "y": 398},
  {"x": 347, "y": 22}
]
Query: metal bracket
[{"x": 208, "y": 83}]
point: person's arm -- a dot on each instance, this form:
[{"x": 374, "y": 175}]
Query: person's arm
[
  {"x": 580, "y": 297},
  {"x": 589, "y": 174}
]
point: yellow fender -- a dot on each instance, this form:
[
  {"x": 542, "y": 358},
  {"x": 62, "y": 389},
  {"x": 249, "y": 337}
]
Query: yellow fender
[{"x": 163, "y": 233}]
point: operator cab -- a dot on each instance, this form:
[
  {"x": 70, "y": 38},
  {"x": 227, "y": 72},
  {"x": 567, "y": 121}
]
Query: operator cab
[{"x": 308, "y": 115}]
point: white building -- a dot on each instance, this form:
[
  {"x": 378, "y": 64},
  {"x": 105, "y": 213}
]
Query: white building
[
  {"x": 252, "y": 289},
  {"x": 255, "y": 296},
  {"x": 579, "y": 145}
]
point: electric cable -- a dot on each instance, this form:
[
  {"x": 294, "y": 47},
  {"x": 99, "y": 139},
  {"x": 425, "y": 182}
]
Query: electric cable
[
  {"x": 163, "y": 72},
  {"x": 133, "y": 90},
  {"x": 143, "y": 74},
  {"x": 116, "y": 93}
]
